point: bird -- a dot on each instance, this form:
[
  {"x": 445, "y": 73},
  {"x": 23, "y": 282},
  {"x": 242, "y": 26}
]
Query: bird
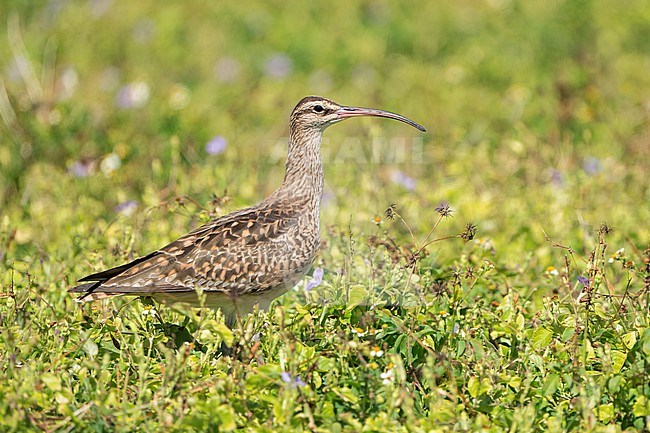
[{"x": 251, "y": 256}]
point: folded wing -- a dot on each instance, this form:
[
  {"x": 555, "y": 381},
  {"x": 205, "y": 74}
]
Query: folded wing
[{"x": 240, "y": 252}]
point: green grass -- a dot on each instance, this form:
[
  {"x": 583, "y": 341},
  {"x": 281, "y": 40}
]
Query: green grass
[{"x": 539, "y": 136}]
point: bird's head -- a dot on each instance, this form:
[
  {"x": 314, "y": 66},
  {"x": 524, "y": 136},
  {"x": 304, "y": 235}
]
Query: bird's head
[{"x": 316, "y": 113}]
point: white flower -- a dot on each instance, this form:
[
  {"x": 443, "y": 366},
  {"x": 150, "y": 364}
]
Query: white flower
[
  {"x": 387, "y": 377},
  {"x": 149, "y": 310},
  {"x": 179, "y": 97},
  {"x": 68, "y": 83},
  {"x": 376, "y": 352},
  {"x": 617, "y": 255},
  {"x": 110, "y": 163},
  {"x": 133, "y": 95},
  {"x": 552, "y": 271}
]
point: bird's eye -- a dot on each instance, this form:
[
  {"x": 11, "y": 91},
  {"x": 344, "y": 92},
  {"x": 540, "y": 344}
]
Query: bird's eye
[{"x": 318, "y": 108}]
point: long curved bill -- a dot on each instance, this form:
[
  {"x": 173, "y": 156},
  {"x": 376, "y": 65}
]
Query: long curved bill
[{"x": 347, "y": 112}]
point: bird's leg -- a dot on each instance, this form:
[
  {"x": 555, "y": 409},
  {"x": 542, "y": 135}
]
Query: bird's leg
[{"x": 231, "y": 318}]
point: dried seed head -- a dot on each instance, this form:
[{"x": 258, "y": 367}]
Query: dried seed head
[
  {"x": 390, "y": 212},
  {"x": 469, "y": 233},
  {"x": 444, "y": 209},
  {"x": 604, "y": 229}
]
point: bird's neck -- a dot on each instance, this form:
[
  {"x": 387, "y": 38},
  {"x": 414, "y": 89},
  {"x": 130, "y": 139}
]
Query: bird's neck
[{"x": 303, "y": 179}]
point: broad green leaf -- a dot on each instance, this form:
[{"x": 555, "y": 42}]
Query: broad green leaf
[
  {"x": 587, "y": 350},
  {"x": 316, "y": 379},
  {"x": 357, "y": 295},
  {"x": 477, "y": 347},
  {"x": 606, "y": 412},
  {"x": 325, "y": 364},
  {"x": 521, "y": 321},
  {"x": 550, "y": 385},
  {"x": 641, "y": 407},
  {"x": 474, "y": 386},
  {"x": 541, "y": 338},
  {"x": 629, "y": 339},
  {"x": 346, "y": 394},
  {"x": 225, "y": 333},
  {"x": 51, "y": 381},
  {"x": 515, "y": 382},
  {"x": 537, "y": 361},
  {"x": 212, "y": 328},
  {"x": 614, "y": 384},
  {"x": 226, "y": 418},
  {"x": 618, "y": 360},
  {"x": 486, "y": 385},
  {"x": 460, "y": 347},
  {"x": 444, "y": 411},
  {"x": 64, "y": 397},
  {"x": 90, "y": 348},
  {"x": 646, "y": 342},
  {"x": 568, "y": 333}
]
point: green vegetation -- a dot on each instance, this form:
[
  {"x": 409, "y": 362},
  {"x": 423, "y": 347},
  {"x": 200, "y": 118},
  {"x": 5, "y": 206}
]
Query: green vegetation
[{"x": 539, "y": 136}]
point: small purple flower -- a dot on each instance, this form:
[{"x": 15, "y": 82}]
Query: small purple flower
[
  {"x": 328, "y": 198},
  {"x": 109, "y": 79},
  {"x": 278, "y": 66},
  {"x": 402, "y": 179},
  {"x": 556, "y": 178},
  {"x": 127, "y": 208},
  {"x": 227, "y": 69},
  {"x": 12, "y": 71},
  {"x": 82, "y": 168},
  {"x": 123, "y": 98},
  {"x": 144, "y": 30},
  {"x": 99, "y": 7},
  {"x": 591, "y": 165},
  {"x": 133, "y": 95},
  {"x": 316, "y": 279},
  {"x": 216, "y": 145},
  {"x": 293, "y": 382},
  {"x": 583, "y": 280}
]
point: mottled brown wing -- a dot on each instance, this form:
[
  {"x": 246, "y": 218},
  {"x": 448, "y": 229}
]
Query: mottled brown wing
[{"x": 225, "y": 255}]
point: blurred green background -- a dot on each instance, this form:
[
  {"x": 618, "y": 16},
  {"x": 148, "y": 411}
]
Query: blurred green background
[
  {"x": 125, "y": 124},
  {"x": 537, "y": 111}
]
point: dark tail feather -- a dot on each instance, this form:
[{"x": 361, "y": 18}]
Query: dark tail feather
[
  {"x": 82, "y": 288},
  {"x": 99, "y": 278},
  {"x": 113, "y": 272},
  {"x": 87, "y": 290}
]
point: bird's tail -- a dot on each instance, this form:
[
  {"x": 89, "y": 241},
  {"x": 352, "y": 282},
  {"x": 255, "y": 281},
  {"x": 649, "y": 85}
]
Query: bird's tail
[{"x": 89, "y": 294}]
